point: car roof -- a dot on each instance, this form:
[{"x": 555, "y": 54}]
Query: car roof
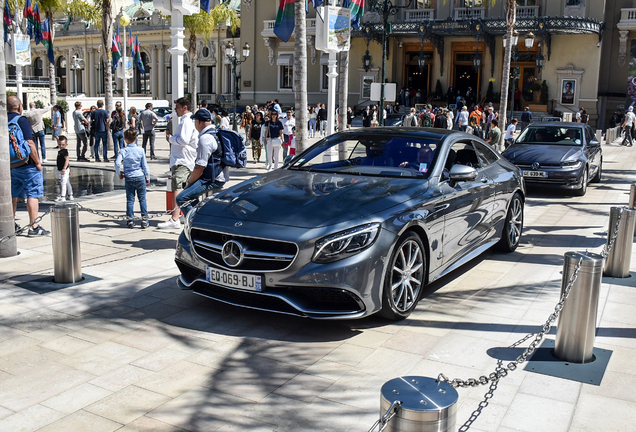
[
  {"x": 558, "y": 124},
  {"x": 432, "y": 133}
]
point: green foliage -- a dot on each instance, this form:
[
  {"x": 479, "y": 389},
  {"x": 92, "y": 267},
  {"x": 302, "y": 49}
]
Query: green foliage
[
  {"x": 222, "y": 14},
  {"x": 490, "y": 93},
  {"x": 86, "y": 10},
  {"x": 543, "y": 99},
  {"x": 47, "y": 122},
  {"x": 439, "y": 92},
  {"x": 39, "y": 104},
  {"x": 63, "y": 105},
  {"x": 11, "y": 93}
]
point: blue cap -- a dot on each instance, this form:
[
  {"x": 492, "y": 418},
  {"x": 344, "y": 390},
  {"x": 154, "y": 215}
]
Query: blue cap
[{"x": 202, "y": 115}]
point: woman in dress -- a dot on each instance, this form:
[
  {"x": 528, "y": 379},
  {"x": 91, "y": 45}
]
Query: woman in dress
[
  {"x": 374, "y": 116},
  {"x": 133, "y": 119}
]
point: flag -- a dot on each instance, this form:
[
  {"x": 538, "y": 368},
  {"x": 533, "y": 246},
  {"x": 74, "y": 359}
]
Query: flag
[
  {"x": 285, "y": 23},
  {"x": 116, "y": 53},
  {"x": 316, "y": 3},
  {"x": 357, "y": 10},
  {"x": 7, "y": 20},
  {"x": 130, "y": 39},
  {"x": 47, "y": 39},
  {"x": 118, "y": 38},
  {"x": 37, "y": 24},
  {"x": 28, "y": 15},
  {"x": 205, "y": 5},
  {"x": 137, "y": 51}
]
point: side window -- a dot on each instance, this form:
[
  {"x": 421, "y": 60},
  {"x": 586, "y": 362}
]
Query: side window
[
  {"x": 462, "y": 153},
  {"x": 590, "y": 134},
  {"x": 486, "y": 156}
]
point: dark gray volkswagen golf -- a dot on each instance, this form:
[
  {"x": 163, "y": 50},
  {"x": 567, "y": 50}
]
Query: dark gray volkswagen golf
[
  {"x": 357, "y": 224},
  {"x": 565, "y": 155}
]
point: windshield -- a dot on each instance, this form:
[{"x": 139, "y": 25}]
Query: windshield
[
  {"x": 161, "y": 111},
  {"x": 376, "y": 155},
  {"x": 553, "y": 135}
]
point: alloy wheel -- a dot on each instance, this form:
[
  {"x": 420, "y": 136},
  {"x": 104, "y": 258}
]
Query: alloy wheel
[
  {"x": 515, "y": 221},
  {"x": 407, "y": 276}
]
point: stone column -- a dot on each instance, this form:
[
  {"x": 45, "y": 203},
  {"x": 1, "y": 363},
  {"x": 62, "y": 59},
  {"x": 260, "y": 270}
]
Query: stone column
[
  {"x": 163, "y": 85},
  {"x": 154, "y": 72},
  {"x": 92, "y": 73}
]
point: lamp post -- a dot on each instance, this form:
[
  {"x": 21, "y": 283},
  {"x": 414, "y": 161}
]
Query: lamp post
[
  {"x": 230, "y": 53},
  {"x": 529, "y": 43},
  {"x": 386, "y": 9},
  {"x": 124, "y": 20}
]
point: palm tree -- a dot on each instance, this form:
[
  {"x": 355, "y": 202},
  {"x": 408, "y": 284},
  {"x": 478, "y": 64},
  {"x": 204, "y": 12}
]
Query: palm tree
[
  {"x": 300, "y": 75},
  {"x": 9, "y": 247},
  {"x": 511, "y": 17},
  {"x": 202, "y": 24}
]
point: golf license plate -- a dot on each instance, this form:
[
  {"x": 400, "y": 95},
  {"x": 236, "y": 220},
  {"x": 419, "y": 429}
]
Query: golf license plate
[
  {"x": 535, "y": 174},
  {"x": 228, "y": 279}
]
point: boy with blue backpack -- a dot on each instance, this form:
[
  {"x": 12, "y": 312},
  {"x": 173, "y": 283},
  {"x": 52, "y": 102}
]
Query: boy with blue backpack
[
  {"x": 217, "y": 150},
  {"x": 26, "y": 170}
]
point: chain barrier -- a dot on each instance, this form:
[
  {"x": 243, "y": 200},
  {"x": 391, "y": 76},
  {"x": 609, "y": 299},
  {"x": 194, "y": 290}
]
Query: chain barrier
[
  {"x": 152, "y": 215},
  {"x": 501, "y": 372},
  {"x": 383, "y": 421}
]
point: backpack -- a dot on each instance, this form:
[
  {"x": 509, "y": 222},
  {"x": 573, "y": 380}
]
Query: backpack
[
  {"x": 19, "y": 149},
  {"x": 426, "y": 120},
  {"x": 234, "y": 153},
  {"x": 584, "y": 118}
]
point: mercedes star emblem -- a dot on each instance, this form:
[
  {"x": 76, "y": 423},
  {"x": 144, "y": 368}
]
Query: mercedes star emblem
[
  {"x": 232, "y": 253},
  {"x": 535, "y": 166},
  {"x": 238, "y": 224}
]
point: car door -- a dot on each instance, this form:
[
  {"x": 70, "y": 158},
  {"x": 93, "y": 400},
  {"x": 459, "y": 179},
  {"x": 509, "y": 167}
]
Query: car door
[
  {"x": 502, "y": 184},
  {"x": 468, "y": 204}
]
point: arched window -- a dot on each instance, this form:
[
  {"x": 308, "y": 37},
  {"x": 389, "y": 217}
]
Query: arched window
[
  {"x": 60, "y": 73},
  {"x": 38, "y": 70}
]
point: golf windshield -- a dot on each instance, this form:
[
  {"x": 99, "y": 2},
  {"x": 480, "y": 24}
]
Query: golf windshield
[{"x": 551, "y": 135}]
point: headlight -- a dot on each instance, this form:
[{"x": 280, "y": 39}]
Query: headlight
[
  {"x": 346, "y": 243},
  {"x": 571, "y": 164}
]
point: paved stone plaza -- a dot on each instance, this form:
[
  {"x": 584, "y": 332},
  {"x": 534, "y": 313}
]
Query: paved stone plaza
[{"x": 126, "y": 350}]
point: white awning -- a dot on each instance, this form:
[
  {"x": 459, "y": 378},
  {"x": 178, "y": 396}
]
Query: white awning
[
  {"x": 324, "y": 59},
  {"x": 285, "y": 60}
]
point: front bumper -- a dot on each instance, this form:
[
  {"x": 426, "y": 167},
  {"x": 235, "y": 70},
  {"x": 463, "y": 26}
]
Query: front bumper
[
  {"x": 557, "y": 177},
  {"x": 345, "y": 289}
]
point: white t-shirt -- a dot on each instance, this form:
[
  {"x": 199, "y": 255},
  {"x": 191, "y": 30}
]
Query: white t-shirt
[
  {"x": 225, "y": 123},
  {"x": 207, "y": 144},
  {"x": 629, "y": 118},
  {"x": 510, "y": 131}
]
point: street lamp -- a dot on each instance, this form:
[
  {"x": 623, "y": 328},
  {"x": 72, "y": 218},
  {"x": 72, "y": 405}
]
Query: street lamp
[
  {"x": 540, "y": 61},
  {"x": 421, "y": 61},
  {"x": 366, "y": 61},
  {"x": 477, "y": 61},
  {"x": 230, "y": 53},
  {"x": 515, "y": 75},
  {"x": 75, "y": 66},
  {"x": 386, "y": 9},
  {"x": 124, "y": 20}
]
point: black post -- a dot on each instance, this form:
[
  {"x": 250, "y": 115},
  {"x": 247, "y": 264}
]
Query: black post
[{"x": 234, "y": 128}]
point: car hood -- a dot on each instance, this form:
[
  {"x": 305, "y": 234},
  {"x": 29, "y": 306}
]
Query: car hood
[
  {"x": 541, "y": 153},
  {"x": 309, "y": 200}
]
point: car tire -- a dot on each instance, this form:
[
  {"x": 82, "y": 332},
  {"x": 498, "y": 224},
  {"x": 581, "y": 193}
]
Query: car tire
[
  {"x": 583, "y": 189},
  {"x": 513, "y": 225},
  {"x": 599, "y": 173},
  {"x": 405, "y": 278}
]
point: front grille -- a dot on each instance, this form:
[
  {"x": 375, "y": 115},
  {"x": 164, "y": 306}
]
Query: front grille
[
  {"x": 260, "y": 254},
  {"x": 310, "y": 301},
  {"x": 543, "y": 165}
]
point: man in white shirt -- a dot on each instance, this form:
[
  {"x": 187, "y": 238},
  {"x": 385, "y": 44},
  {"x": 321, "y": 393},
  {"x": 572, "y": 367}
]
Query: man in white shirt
[
  {"x": 289, "y": 123},
  {"x": 225, "y": 122},
  {"x": 208, "y": 173},
  {"x": 183, "y": 153},
  {"x": 628, "y": 125},
  {"x": 510, "y": 133},
  {"x": 462, "y": 119}
]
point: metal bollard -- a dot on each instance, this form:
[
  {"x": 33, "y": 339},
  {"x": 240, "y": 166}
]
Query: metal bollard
[
  {"x": 577, "y": 321},
  {"x": 618, "y": 260},
  {"x": 426, "y": 404},
  {"x": 67, "y": 257},
  {"x": 632, "y": 196}
]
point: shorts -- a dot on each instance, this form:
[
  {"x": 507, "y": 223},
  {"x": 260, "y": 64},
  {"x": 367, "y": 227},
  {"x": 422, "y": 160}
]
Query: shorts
[
  {"x": 26, "y": 181},
  {"x": 56, "y": 132},
  {"x": 180, "y": 174}
]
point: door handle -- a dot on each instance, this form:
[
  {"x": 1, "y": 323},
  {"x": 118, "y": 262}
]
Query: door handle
[{"x": 484, "y": 179}]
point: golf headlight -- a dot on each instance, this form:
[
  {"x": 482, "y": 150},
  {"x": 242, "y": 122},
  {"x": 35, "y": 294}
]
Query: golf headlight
[
  {"x": 571, "y": 164},
  {"x": 346, "y": 243}
]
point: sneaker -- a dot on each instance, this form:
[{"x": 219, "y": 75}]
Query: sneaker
[
  {"x": 83, "y": 159},
  {"x": 17, "y": 227},
  {"x": 70, "y": 198},
  {"x": 145, "y": 224},
  {"x": 39, "y": 231},
  {"x": 98, "y": 160},
  {"x": 169, "y": 224},
  {"x": 60, "y": 199},
  {"x": 44, "y": 160},
  {"x": 131, "y": 224},
  {"x": 106, "y": 160}
]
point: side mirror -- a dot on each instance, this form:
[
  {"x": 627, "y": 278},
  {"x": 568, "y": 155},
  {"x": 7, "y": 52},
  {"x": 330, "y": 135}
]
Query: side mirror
[
  {"x": 594, "y": 143},
  {"x": 459, "y": 173}
]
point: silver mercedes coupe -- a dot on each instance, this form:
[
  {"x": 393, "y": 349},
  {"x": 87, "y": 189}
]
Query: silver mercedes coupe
[{"x": 357, "y": 224}]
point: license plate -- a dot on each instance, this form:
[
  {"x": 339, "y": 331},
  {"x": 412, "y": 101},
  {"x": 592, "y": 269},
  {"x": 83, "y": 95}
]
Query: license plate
[
  {"x": 535, "y": 174},
  {"x": 228, "y": 279}
]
